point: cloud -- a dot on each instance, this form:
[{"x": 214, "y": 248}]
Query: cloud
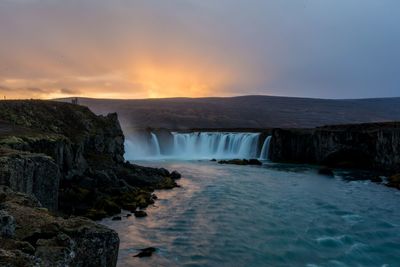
[
  {"x": 198, "y": 48},
  {"x": 68, "y": 91}
]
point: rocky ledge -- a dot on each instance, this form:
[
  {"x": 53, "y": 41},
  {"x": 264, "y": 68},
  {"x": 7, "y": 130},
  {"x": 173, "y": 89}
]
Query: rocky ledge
[
  {"x": 32, "y": 236},
  {"x": 371, "y": 146},
  {"x": 66, "y": 161}
]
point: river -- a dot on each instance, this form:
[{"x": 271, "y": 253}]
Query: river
[{"x": 273, "y": 215}]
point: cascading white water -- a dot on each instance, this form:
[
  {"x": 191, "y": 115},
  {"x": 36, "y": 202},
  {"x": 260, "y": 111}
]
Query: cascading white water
[
  {"x": 265, "y": 149},
  {"x": 198, "y": 145},
  {"x": 215, "y": 145},
  {"x": 155, "y": 144}
]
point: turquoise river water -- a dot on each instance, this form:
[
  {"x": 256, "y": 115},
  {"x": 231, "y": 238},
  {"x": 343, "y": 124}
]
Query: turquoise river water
[{"x": 274, "y": 215}]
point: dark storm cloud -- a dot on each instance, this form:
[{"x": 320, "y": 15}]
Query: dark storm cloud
[{"x": 334, "y": 49}]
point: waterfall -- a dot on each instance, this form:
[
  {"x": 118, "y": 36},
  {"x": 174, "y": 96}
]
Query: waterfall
[
  {"x": 197, "y": 145},
  {"x": 155, "y": 144},
  {"x": 215, "y": 145},
  {"x": 265, "y": 149}
]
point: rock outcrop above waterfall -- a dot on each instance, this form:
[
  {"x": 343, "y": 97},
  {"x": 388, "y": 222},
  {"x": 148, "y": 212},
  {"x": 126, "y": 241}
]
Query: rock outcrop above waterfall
[
  {"x": 368, "y": 146},
  {"x": 69, "y": 160}
]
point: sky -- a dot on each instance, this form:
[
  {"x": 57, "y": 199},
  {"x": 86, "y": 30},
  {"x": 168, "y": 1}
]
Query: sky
[{"x": 196, "y": 48}]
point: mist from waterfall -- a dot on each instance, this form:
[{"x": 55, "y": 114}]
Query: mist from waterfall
[{"x": 197, "y": 145}]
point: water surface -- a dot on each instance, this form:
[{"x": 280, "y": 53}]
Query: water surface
[{"x": 275, "y": 215}]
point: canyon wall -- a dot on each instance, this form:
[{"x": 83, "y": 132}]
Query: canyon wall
[{"x": 369, "y": 146}]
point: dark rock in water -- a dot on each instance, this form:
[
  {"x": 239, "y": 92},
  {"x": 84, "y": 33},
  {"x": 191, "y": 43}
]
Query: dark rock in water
[
  {"x": 213, "y": 160},
  {"x": 140, "y": 213},
  {"x": 117, "y": 218},
  {"x": 241, "y": 162},
  {"x": 167, "y": 183},
  {"x": 146, "y": 252},
  {"x": 128, "y": 215},
  {"x": 255, "y": 162},
  {"x": 326, "y": 171},
  {"x": 376, "y": 179},
  {"x": 175, "y": 175},
  {"x": 394, "y": 181}
]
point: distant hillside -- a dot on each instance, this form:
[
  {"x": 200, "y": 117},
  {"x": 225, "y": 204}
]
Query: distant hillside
[{"x": 245, "y": 111}]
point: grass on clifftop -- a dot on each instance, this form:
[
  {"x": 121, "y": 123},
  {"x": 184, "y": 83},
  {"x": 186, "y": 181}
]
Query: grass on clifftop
[{"x": 73, "y": 121}]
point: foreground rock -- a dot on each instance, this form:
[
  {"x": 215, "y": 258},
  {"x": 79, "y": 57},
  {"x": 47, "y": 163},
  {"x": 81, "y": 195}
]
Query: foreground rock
[
  {"x": 72, "y": 159},
  {"x": 42, "y": 239},
  {"x": 65, "y": 159},
  {"x": 241, "y": 162}
]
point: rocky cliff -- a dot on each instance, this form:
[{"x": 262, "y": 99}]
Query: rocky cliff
[
  {"x": 35, "y": 174},
  {"x": 368, "y": 146},
  {"x": 31, "y": 236},
  {"x": 70, "y": 161},
  {"x": 70, "y": 134}
]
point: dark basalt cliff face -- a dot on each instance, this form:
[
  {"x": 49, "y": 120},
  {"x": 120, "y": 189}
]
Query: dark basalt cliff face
[
  {"x": 368, "y": 146},
  {"x": 69, "y": 161},
  {"x": 34, "y": 174}
]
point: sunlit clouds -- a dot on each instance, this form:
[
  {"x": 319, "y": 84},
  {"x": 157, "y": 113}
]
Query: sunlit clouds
[{"x": 141, "y": 49}]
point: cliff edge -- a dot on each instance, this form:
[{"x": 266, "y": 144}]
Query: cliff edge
[
  {"x": 61, "y": 159},
  {"x": 373, "y": 146}
]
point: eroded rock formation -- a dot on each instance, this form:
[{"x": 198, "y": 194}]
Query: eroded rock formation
[{"x": 368, "y": 146}]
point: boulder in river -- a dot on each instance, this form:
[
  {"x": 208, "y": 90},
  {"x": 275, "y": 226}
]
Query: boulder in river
[
  {"x": 241, "y": 162},
  {"x": 394, "y": 181},
  {"x": 326, "y": 171},
  {"x": 146, "y": 252},
  {"x": 140, "y": 213}
]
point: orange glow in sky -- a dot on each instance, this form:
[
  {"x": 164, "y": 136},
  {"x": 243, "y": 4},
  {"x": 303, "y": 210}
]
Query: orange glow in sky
[{"x": 175, "y": 48}]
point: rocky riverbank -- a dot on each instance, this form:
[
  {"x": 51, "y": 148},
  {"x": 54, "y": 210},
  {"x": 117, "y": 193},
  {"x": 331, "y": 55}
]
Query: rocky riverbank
[
  {"x": 371, "y": 146},
  {"x": 68, "y": 162}
]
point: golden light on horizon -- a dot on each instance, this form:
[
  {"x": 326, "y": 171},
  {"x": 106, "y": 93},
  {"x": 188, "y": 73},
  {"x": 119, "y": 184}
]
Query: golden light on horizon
[
  {"x": 161, "y": 81},
  {"x": 142, "y": 80}
]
